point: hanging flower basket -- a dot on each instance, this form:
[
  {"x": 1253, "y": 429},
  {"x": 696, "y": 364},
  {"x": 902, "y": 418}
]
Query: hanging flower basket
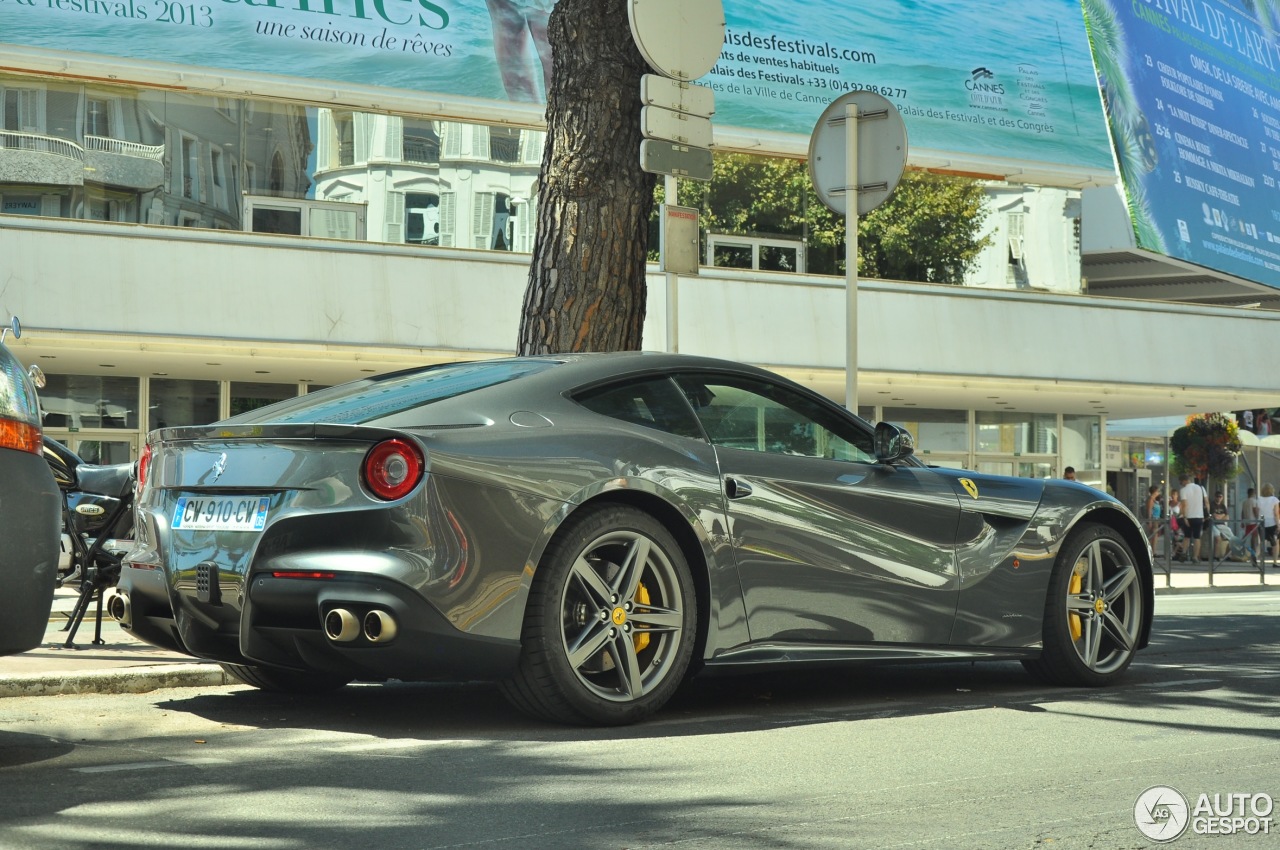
[{"x": 1208, "y": 446}]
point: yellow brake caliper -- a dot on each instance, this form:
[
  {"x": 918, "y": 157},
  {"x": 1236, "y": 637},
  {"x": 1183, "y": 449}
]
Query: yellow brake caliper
[
  {"x": 1077, "y": 582},
  {"x": 642, "y": 598}
]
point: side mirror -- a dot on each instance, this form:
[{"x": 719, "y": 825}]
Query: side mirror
[
  {"x": 15, "y": 326},
  {"x": 893, "y": 443},
  {"x": 36, "y": 374}
]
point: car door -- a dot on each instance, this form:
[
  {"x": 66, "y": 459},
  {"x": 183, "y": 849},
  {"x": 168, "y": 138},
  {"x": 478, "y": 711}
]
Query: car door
[{"x": 831, "y": 546}]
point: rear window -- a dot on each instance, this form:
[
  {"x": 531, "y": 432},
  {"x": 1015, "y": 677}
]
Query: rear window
[{"x": 372, "y": 399}]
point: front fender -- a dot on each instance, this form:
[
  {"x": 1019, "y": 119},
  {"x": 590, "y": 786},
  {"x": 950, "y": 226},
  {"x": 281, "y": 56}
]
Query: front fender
[{"x": 1003, "y": 604}]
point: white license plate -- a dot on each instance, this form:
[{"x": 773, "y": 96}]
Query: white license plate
[{"x": 221, "y": 513}]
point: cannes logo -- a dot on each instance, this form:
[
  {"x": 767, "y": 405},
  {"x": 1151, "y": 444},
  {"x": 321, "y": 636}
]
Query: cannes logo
[{"x": 983, "y": 80}]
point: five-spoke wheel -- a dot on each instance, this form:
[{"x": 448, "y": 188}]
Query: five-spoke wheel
[
  {"x": 610, "y": 626},
  {"x": 1094, "y": 613}
]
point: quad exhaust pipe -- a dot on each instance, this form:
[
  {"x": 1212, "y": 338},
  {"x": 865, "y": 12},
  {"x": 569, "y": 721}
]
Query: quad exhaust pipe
[
  {"x": 377, "y": 626},
  {"x": 119, "y": 608},
  {"x": 341, "y": 625}
]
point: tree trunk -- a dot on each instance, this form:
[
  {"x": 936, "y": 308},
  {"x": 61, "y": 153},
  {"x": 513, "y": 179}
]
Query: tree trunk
[{"x": 586, "y": 288}]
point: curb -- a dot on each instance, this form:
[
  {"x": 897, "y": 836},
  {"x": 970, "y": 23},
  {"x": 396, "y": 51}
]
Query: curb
[
  {"x": 134, "y": 680},
  {"x": 1218, "y": 588}
]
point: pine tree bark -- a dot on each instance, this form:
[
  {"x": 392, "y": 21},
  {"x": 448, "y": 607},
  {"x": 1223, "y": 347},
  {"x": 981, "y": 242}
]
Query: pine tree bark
[{"x": 586, "y": 289}]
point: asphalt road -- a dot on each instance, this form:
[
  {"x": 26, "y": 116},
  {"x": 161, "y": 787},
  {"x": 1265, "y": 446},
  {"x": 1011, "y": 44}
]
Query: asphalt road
[{"x": 939, "y": 756}]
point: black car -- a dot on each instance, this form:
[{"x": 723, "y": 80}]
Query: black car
[
  {"x": 30, "y": 512},
  {"x": 590, "y": 530}
]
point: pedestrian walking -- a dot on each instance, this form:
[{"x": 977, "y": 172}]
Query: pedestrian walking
[
  {"x": 1194, "y": 502},
  {"x": 1269, "y": 513},
  {"x": 1151, "y": 512}
]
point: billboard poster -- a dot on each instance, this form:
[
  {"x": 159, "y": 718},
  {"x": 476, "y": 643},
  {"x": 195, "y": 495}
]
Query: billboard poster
[
  {"x": 1192, "y": 96},
  {"x": 1015, "y": 82}
]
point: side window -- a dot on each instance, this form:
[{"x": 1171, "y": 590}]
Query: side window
[
  {"x": 653, "y": 403},
  {"x": 743, "y": 413}
]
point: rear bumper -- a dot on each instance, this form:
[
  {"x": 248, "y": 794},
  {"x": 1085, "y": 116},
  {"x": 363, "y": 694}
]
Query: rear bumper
[{"x": 281, "y": 624}]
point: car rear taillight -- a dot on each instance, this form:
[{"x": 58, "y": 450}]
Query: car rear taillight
[
  {"x": 22, "y": 436},
  {"x": 144, "y": 466},
  {"x": 392, "y": 469}
]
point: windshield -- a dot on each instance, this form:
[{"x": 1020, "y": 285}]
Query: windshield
[{"x": 372, "y": 399}]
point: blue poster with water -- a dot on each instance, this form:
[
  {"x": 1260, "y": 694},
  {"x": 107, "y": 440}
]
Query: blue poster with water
[
  {"x": 1192, "y": 96},
  {"x": 1014, "y": 82}
]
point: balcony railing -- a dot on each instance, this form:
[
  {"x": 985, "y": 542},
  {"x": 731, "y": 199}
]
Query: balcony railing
[
  {"x": 421, "y": 149},
  {"x": 119, "y": 146},
  {"x": 41, "y": 144},
  {"x": 504, "y": 148},
  {"x": 61, "y": 147}
]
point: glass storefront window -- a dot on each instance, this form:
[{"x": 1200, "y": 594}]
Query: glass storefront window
[
  {"x": 1082, "y": 445},
  {"x": 250, "y": 395},
  {"x": 176, "y": 402},
  {"x": 1017, "y": 469},
  {"x": 105, "y": 452},
  {"x": 933, "y": 430},
  {"x": 80, "y": 402},
  {"x": 1015, "y": 433}
]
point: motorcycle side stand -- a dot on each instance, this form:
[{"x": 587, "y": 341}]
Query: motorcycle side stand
[{"x": 89, "y": 588}]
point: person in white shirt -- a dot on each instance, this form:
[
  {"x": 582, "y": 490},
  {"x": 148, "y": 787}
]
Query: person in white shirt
[
  {"x": 1193, "y": 499},
  {"x": 1269, "y": 512}
]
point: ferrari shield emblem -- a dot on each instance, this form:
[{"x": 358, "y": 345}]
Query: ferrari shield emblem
[{"x": 969, "y": 487}]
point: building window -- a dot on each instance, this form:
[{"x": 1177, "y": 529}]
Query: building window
[
  {"x": 934, "y": 430},
  {"x": 176, "y": 402},
  {"x": 1014, "y": 433},
  {"x": 22, "y": 112},
  {"x": 218, "y": 175},
  {"x": 251, "y": 395},
  {"x": 1082, "y": 446},
  {"x": 79, "y": 402},
  {"x": 422, "y": 218},
  {"x": 275, "y": 177},
  {"x": 189, "y": 167},
  {"x": 97, "y": 120},
  {"x": 504, "y": 144},
  {"x": 344, "y": 132}
]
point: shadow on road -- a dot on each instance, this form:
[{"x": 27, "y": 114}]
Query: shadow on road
[{"x": 1194, "y": 662}]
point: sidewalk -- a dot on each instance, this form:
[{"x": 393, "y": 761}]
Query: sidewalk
[
  {"x": 124, "y": 665},
  {"x": 120, "y": 664}
]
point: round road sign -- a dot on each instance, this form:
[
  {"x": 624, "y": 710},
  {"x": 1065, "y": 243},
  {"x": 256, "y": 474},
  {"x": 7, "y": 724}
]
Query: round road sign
[
  {"x": 679, "y": 38},
  {"x": 882, "y": 151}
]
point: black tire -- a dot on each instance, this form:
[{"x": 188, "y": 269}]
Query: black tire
[
  {"x": 611, "y": 621},
  {"x": 1094, "y": 612},
  {"x": 281, "y": 681}
]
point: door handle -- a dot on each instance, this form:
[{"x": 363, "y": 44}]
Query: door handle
[{"x": 735, "y": 489}]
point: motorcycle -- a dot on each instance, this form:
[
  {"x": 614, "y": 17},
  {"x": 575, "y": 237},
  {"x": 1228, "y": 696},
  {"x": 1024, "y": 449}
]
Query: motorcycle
[{"x": 97, "y": 528}]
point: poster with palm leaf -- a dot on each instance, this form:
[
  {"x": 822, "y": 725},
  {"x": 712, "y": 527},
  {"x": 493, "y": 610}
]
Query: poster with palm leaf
[{"x": 1192, "y": 99}]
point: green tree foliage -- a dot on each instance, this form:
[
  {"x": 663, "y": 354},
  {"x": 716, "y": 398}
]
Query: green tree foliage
[{"x": 929, "y": 230}]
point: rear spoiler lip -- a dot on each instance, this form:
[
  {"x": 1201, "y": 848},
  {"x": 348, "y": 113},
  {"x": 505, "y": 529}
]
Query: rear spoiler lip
[{"x": 269, "y": 431}]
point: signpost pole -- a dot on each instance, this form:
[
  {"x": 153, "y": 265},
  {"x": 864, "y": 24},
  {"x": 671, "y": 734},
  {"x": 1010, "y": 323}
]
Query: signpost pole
[
  {"x": 673, "y": 279},
  {"x": 851, "y": 255}
]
